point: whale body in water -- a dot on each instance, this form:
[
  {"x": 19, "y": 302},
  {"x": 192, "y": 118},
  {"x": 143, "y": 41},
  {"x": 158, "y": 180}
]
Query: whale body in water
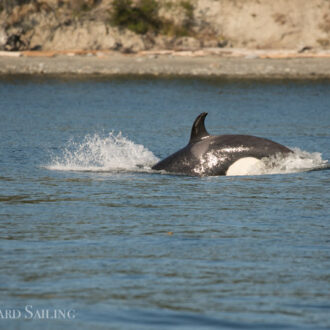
[{"x": 210, "y": 155}]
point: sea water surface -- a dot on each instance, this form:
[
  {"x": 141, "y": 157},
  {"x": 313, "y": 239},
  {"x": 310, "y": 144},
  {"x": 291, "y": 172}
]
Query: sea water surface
[{"x": 92, "y": 238}]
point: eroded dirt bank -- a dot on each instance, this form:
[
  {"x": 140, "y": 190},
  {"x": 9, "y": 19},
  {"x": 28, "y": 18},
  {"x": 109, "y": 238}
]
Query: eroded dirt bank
[{"x": 136, "y": 25}]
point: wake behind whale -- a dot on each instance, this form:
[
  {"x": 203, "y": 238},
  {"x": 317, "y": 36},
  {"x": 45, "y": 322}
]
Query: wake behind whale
[{"x": 115, "y": 153}]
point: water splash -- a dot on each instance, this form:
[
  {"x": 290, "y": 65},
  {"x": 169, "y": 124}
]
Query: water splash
[
  {"x": 103, "y": 154},
  {"x": 298, "y": 161}
]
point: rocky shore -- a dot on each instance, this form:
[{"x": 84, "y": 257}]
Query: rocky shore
[
  {"x": 222, "y": 38},
  {"x": 242, "y": 64}
]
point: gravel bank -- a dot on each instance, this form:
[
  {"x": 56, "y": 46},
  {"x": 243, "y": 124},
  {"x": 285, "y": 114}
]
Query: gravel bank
[{"x": 168, "y": 65}]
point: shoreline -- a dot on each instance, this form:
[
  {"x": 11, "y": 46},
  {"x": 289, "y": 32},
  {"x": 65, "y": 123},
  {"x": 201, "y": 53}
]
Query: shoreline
[{"x": 224, "y": 63}]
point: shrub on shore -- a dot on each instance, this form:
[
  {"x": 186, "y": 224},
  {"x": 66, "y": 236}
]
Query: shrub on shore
[
  {"x": 142, "y": 17},
  {"x": 139, "y": 18}
]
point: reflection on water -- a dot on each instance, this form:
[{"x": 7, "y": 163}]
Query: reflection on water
[{"x": 130, "y": 248}]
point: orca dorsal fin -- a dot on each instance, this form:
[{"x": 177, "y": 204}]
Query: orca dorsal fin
[{"x": 198, "y": 130}]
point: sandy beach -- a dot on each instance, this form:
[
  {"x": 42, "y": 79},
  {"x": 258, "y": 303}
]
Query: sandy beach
[{"x": 237, "y": 64}]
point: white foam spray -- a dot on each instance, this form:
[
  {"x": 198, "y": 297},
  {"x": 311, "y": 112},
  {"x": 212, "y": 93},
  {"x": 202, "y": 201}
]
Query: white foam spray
[
  {"x": 298, "y": 161},
  {"x": 103, "y": 154}
]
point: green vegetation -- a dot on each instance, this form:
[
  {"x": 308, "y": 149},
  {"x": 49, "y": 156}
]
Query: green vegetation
[
  {"x": 189, "y": 10},
  {"x": 142, "y": 17}
]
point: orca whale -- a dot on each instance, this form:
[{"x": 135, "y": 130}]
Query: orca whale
[{"x": 211, "y": 155}]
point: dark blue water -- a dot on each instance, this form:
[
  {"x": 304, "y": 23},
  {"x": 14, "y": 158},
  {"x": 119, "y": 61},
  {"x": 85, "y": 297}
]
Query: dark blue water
[{"x": 92, "y": 237}]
